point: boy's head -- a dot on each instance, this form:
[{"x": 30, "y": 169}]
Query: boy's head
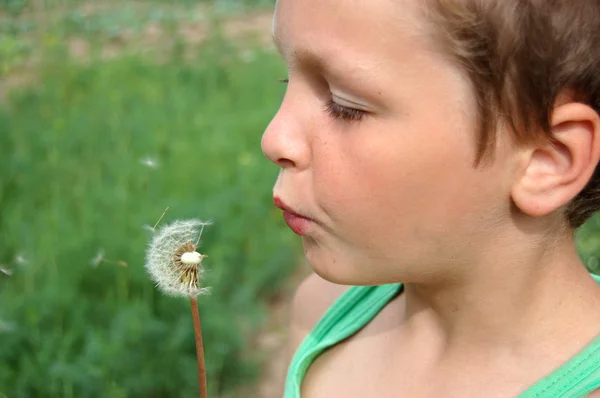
[
  {"x": 522, "y": 57},
  {"x": 391, "y": 102}
]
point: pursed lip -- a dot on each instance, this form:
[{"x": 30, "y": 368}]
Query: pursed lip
[
  {"x": 297, "y": 222},
  {"x": 281, "y": 204}
]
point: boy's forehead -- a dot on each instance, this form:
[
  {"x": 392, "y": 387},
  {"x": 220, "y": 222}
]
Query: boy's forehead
[
  {"x": 329, "y": 23},
  {"x": 376, "y": 48}
]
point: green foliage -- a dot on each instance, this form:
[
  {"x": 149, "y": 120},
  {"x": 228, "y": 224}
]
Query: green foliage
[
  {"x": 588, "y": 243},
  {"x": 16, "y": 7},
  {"x": 74, "y": 181},
  {"x": 12, "y": 53},
  {"x": 13, "y": 6}
]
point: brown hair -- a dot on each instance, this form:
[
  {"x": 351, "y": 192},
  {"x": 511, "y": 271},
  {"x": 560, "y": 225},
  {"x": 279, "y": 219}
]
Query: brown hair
[{"x": 520, "y": 55}]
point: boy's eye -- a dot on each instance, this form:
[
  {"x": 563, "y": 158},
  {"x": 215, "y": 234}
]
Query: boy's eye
[
  {"x": 338, "y": 111},
  {"x": 344, "y": 113}
]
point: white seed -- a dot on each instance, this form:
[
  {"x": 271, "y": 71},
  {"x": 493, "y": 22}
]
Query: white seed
[
  {"x": 191, "y": 258},
  {"x": 98, "y": 258},
  {"x": 149, "y": 162}
]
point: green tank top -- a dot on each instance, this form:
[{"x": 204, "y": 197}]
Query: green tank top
[{"x": 358, "y": 306}]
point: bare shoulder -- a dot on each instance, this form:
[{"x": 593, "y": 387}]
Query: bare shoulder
[
  {"x": 313, "y": 297},
  {"x": 594, "y": 394}
]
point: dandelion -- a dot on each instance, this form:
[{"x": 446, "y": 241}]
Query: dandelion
[
  {"x": 173, "y": 263},
  {"x": 172, "y": 260},
  {"x": 4, "y": 270},
  {"x": 94, "y": 262},
  {"x": 149, "y": 162},
  {"x": 99, "y": 259}
]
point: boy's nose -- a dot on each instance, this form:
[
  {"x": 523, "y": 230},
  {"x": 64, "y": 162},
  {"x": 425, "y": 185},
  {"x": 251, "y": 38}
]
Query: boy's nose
[{"x": 284, "y": 142}]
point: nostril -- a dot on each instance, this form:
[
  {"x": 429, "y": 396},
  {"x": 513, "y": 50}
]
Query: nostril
[{"x": 285, "y": 163}]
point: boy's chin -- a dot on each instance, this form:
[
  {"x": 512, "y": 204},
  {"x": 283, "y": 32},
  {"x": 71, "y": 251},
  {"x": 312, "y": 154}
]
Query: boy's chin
[
  {"x": 331, "y": 269},
  {"x": 355, "y": 269},
  {"x": 342, "y": 271}
]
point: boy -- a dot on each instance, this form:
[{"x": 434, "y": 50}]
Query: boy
[{"x": 436, "y": 156}]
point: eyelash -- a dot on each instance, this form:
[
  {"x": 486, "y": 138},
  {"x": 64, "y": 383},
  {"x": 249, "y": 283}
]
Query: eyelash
[
  {"x": 343, "y": 112},
  {"x": 338, "y": 111}
]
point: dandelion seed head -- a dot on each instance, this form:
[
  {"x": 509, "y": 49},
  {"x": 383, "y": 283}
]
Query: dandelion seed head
[{"x": 172, "y": 260}]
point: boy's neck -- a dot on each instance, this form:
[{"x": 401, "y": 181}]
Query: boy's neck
[{"x": 508, "y": 302}]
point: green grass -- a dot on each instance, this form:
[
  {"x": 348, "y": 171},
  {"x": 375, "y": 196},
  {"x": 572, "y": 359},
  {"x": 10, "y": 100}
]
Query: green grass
[
  {"x": 18, "y": 7},
  {"x": 72, "y": 183}
]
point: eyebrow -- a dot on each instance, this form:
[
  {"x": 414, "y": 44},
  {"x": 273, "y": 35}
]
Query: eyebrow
[
  {"x": 349, "y": 73},
  {"x": 302, "y": 56}
]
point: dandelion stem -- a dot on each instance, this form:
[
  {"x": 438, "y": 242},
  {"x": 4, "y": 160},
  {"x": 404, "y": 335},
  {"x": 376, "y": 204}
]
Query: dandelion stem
[
  {"x": 161, "y": 217},
  {"x": 199, "y": 348}
]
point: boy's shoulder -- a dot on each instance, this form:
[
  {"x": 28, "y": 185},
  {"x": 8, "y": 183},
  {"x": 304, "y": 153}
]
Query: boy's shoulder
[{"x": 313, "y": 297}]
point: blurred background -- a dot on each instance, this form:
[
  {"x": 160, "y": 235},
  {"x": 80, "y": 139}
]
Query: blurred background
[{"x": 110, "y": 111}]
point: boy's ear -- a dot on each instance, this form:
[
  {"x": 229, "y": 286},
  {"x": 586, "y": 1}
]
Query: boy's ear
[{"x": 554, "y": 172}]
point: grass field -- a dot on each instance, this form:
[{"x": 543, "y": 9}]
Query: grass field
[
  {"x": 109, "y": 113},
  {"x": 112, "y": 116}
]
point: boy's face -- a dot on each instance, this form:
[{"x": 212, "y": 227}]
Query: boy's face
[{"x": 395, "y": 194}]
